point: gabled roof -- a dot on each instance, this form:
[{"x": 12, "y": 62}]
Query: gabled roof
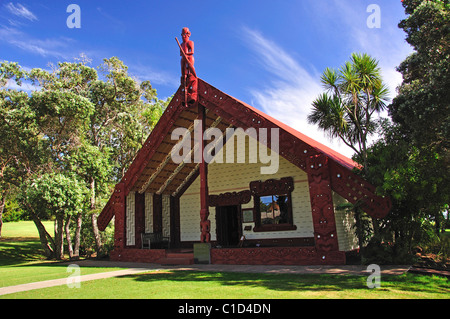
[{"x": 153, "y": 170}]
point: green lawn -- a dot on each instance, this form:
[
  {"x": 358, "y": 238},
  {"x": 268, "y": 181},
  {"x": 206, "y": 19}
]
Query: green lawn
[
  {"x": 205, "y": 285},
  {"x": 21, "y": 259},
  {"x": 20, "y": 263},
  {"x": 24, "y": 229}
]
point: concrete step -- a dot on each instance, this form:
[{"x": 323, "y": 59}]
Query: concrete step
[
  {"x": 176, "y": 261},
  {"x": 180, "y": 255}
]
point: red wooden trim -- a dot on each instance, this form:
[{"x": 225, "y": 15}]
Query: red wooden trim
[
  {"x": 205, "y": 223},
  {"x": 119, "y": 203},
  {"x": 353, "y": 188},
  {"x": 144, "y": 155},
  {"x": 322, "y": 203},
  {"x": 139, "y": 216},
  {"x": 230, "y": 198},
  {"x": 106, "y": 215},
  {"x": 175, "y": 224}
]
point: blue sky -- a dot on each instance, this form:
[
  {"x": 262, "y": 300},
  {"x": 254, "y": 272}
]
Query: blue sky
[{"x": 269, "y": 54}]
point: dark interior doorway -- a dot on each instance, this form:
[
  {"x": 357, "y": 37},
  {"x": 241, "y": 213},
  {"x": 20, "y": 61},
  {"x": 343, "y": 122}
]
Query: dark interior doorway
[{"x": 228, "y": 225}]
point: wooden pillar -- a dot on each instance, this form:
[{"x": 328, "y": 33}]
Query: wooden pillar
[
  {"x": 322, "y": 203},
  {"x": 205, "y": 223},
  {"x": 157, "y": 213},
  {"x": 119, "y": 212},
  {"x": 175, "y": 231},
  {"x": 139, "y": 215}
]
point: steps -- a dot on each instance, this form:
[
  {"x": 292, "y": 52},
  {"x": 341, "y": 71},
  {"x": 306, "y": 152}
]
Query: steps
[{"x": 177, "y": 259}]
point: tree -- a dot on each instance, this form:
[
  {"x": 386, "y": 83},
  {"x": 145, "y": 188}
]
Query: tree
[
  {"x": 422, "y": 106},
  {"x": 62, "y": 197},
  {"x": 74, "y": 124},
  {"x": 20, "y": 144},
  {"x": 125, "y": 113},
  {"x": 416, "y": 181},
  {"x": 418, "y": 178},
  {"x": 353, "y": 95}
]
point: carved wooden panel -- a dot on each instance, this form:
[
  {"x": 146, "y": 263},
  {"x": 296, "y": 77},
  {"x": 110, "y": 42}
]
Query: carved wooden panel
[
  {"x": 149, "y": 212},
  {"x": 230, "y": 198},
  {"x": 353, "y": 188},
  {"x": 130, "y": 219},
  {"x": 119, "y": 213},
  {"x": 322, "y": 203},
  {"x": 284, "y": 185}
]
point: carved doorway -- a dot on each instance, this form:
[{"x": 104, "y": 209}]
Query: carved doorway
[{"x": 229, "y": 225}]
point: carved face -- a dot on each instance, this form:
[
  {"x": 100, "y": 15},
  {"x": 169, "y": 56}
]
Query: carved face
[{"x": 185, "y": 34}]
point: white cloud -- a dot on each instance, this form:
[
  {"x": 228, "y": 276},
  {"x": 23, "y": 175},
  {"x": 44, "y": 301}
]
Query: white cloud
[
  {"x": 145, "y": 72},
  {"x": 61, "y": 48},
  {"x": 289, "y": 96},
  {"x": 20, "y": 11},
  {"x": 291, "y": 93}
]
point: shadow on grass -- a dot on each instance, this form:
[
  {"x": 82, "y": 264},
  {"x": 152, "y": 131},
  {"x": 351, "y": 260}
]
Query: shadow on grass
[
  {"x": 278, "y": 282},
  {"x": 15, "y": 251},
  {"x": 303, "y": 282}
]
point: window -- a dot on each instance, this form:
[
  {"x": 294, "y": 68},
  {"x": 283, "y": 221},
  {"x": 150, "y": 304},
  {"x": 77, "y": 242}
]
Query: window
[
  {"x": 273, "y": 205},
  {"x": 274, "y": 209}
]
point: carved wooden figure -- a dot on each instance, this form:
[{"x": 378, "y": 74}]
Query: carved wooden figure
[{"x": 188, "y": 74}]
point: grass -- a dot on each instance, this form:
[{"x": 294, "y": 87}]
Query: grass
[
  {"x": 22, "y": 260},
  {"x": 20, "y": 263},
  {"x": 24, "y": 229},
  {"x": 205, "y": 285}
]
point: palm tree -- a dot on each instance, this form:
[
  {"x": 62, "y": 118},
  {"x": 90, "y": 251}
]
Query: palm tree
[{"x": 353, "y": 94}]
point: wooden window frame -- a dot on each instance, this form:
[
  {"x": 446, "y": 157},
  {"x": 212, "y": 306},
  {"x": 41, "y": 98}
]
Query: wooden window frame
[{"x": 283, "y": 186}]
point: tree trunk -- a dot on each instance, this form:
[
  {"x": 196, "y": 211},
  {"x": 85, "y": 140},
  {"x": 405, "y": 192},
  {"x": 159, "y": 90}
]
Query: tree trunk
[
  {"x": 59, "y": 237},
  {"x": 76, "y": 247},
  {"x": 68, "y": 237},
  {"x": 98, "y": 240},
  {"x": 44, "y": 237}
]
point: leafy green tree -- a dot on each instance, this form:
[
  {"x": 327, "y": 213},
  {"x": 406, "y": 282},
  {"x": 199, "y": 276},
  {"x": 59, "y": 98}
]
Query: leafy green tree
[
  {"x": 125, "y": 113},
  {"x": 353, "y": 95},
  {"x": 415, "y": 179},
  {"x": 21, "y": 146},
  {"x": 421, "y": 109},
  {"x": 422, "y": 106},
  {"x": 77, "y": 121},
  {"x": 62, "y": 197},
  {"x": 94, "y": 167}
]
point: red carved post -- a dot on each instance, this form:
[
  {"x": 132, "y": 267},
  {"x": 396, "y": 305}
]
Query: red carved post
[
  {"x": 119, "y": 221},
  {"x": 205, "y": 224},
  {"x": 322, "y": 203}
]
